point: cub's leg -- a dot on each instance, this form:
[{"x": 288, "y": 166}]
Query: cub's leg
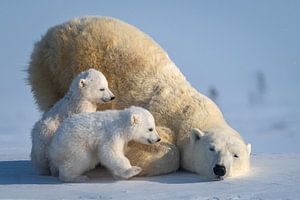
[
  {"x": 38, "y": 159},
  {"x": 38, "y": 150},
  {"x": 117, "y": 163},
  {"x": 71, "y": 170},
  {"x": 41, "y": 135}
]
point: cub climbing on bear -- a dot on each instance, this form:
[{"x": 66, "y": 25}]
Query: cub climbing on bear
[
  {"x": 87, "y": 90},
  {"x": 86, "y": 139},
  {"x": 139, "y": 73}
]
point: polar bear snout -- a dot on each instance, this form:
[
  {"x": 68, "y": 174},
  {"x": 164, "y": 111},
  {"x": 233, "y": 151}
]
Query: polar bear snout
[
  {"x": 108, "y": 97},
  {"x": 154, "y": 137},
  {"x": 219, "y": 170},
  {"x": 152, "y": 141}
]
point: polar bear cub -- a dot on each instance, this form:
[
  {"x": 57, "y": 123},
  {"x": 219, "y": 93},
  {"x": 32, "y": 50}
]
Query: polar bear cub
[
  {"x": 86, "y": 139},
  {"x": 87, "y": 90}
]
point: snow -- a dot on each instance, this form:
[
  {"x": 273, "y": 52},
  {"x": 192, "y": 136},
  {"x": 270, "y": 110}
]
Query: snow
[
  {"x": 215, "y": 44},
  {"x": 266, "y": 181}
]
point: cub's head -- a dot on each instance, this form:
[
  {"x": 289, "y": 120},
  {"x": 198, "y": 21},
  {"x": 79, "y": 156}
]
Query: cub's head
[
  {"x": 216, "y": 154},
  {"x": 143, "y": 126},
  {"x": 92, "y": 86}
]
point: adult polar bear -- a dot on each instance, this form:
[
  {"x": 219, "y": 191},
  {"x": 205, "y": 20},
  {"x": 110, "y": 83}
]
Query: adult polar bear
[{"x": 139, "y": 73}]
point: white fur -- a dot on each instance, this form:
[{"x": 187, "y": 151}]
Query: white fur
[
  {"x": 214, "y": 148},
  {"x": 83, "y": 96},
  {"x": 86, "y": 139},
  {"x": 139, "y": 72}
]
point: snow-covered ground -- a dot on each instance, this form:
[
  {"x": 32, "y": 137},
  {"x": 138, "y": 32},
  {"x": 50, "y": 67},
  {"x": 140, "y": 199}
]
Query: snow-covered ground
[
  {"x": 224, "y": 45},
  {"x": 273, "y": 176}
]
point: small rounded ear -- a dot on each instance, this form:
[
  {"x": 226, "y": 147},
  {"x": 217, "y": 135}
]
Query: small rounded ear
[
  {"x": 196, "y": 134},
  {"x": 82, "y": 83},
  {"x": 134, "y": 119},
  {"x": 249, "y": 148}
]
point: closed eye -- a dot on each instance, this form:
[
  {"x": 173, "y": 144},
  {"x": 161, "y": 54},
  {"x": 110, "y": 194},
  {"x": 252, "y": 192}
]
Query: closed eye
[
  {"x": 102, "y": 89},
  {"x": 150, "y": 129},
  {"x": 235, "y": 155},
  {"x": 212, "y": 149}
]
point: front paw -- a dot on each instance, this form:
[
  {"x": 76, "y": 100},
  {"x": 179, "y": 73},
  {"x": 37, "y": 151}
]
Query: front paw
[{"x": 133, "y": 171}]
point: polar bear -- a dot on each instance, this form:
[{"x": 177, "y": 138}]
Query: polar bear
[
  {"x": 139, "y": 72},
  {"x": 84, "y": 140},
  {"x": 87, "y": 90},
  {"x": 219, "y": 154}
]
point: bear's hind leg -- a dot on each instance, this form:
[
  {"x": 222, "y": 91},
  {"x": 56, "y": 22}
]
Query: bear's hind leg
[
  {"x": 38, "y": 157},
  {"x": 72, "y": 169}
]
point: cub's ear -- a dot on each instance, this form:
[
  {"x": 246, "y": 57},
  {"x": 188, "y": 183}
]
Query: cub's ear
[
  {"x": 134, "y": 119},
  {"x": 82, "y": 83},
  {"x": 249, "y": 148},
  {"x": 196, "y": 134}
]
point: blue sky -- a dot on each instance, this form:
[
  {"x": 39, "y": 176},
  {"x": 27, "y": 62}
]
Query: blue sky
[{"x": 220, "y": 43}]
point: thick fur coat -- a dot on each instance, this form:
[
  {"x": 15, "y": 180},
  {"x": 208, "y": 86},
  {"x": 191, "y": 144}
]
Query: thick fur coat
[
  {"x": 87, "y": 90},
  {"x": 86, "y": 139},
  {"x": 139, "y": 72}
]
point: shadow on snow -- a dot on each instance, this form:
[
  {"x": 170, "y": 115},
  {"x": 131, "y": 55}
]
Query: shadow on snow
[{"x": 21, "y": 172}]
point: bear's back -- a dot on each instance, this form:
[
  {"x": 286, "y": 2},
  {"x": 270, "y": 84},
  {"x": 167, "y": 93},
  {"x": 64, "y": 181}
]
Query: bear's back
[{"x": 134, "y": 65}]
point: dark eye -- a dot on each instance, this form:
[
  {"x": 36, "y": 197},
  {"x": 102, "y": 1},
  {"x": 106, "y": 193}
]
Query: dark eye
[
  {"x": 235, "y": 155},
  {"x": 150, "y": 129},
  {"x": 212, "y": 149},
  {"x": 102, "y": 89}
]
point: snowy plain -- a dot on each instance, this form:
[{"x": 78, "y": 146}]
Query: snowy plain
[
  {"x": 215, "y": 44},
  {"x": 267, "y": 181}
]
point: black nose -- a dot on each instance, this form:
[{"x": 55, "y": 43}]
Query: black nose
[
  {"x": 112, "y": 98},
  {"x": 158, "y": 140},
  {"x": 219, "y": 170}
]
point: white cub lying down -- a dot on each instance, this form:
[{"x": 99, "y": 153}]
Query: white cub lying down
[
  {"x": 86, "y": 139},
  {"x": 87, "y": 90}
]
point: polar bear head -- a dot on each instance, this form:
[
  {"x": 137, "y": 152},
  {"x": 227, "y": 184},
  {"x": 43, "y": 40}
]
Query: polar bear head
[
  {"x": 217, "y": 153},
  {"x": 92, "y": 86},
  {"x": 143, "y": 126}
]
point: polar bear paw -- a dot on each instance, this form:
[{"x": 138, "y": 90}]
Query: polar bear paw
[{"x": 133, "y": 171}]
